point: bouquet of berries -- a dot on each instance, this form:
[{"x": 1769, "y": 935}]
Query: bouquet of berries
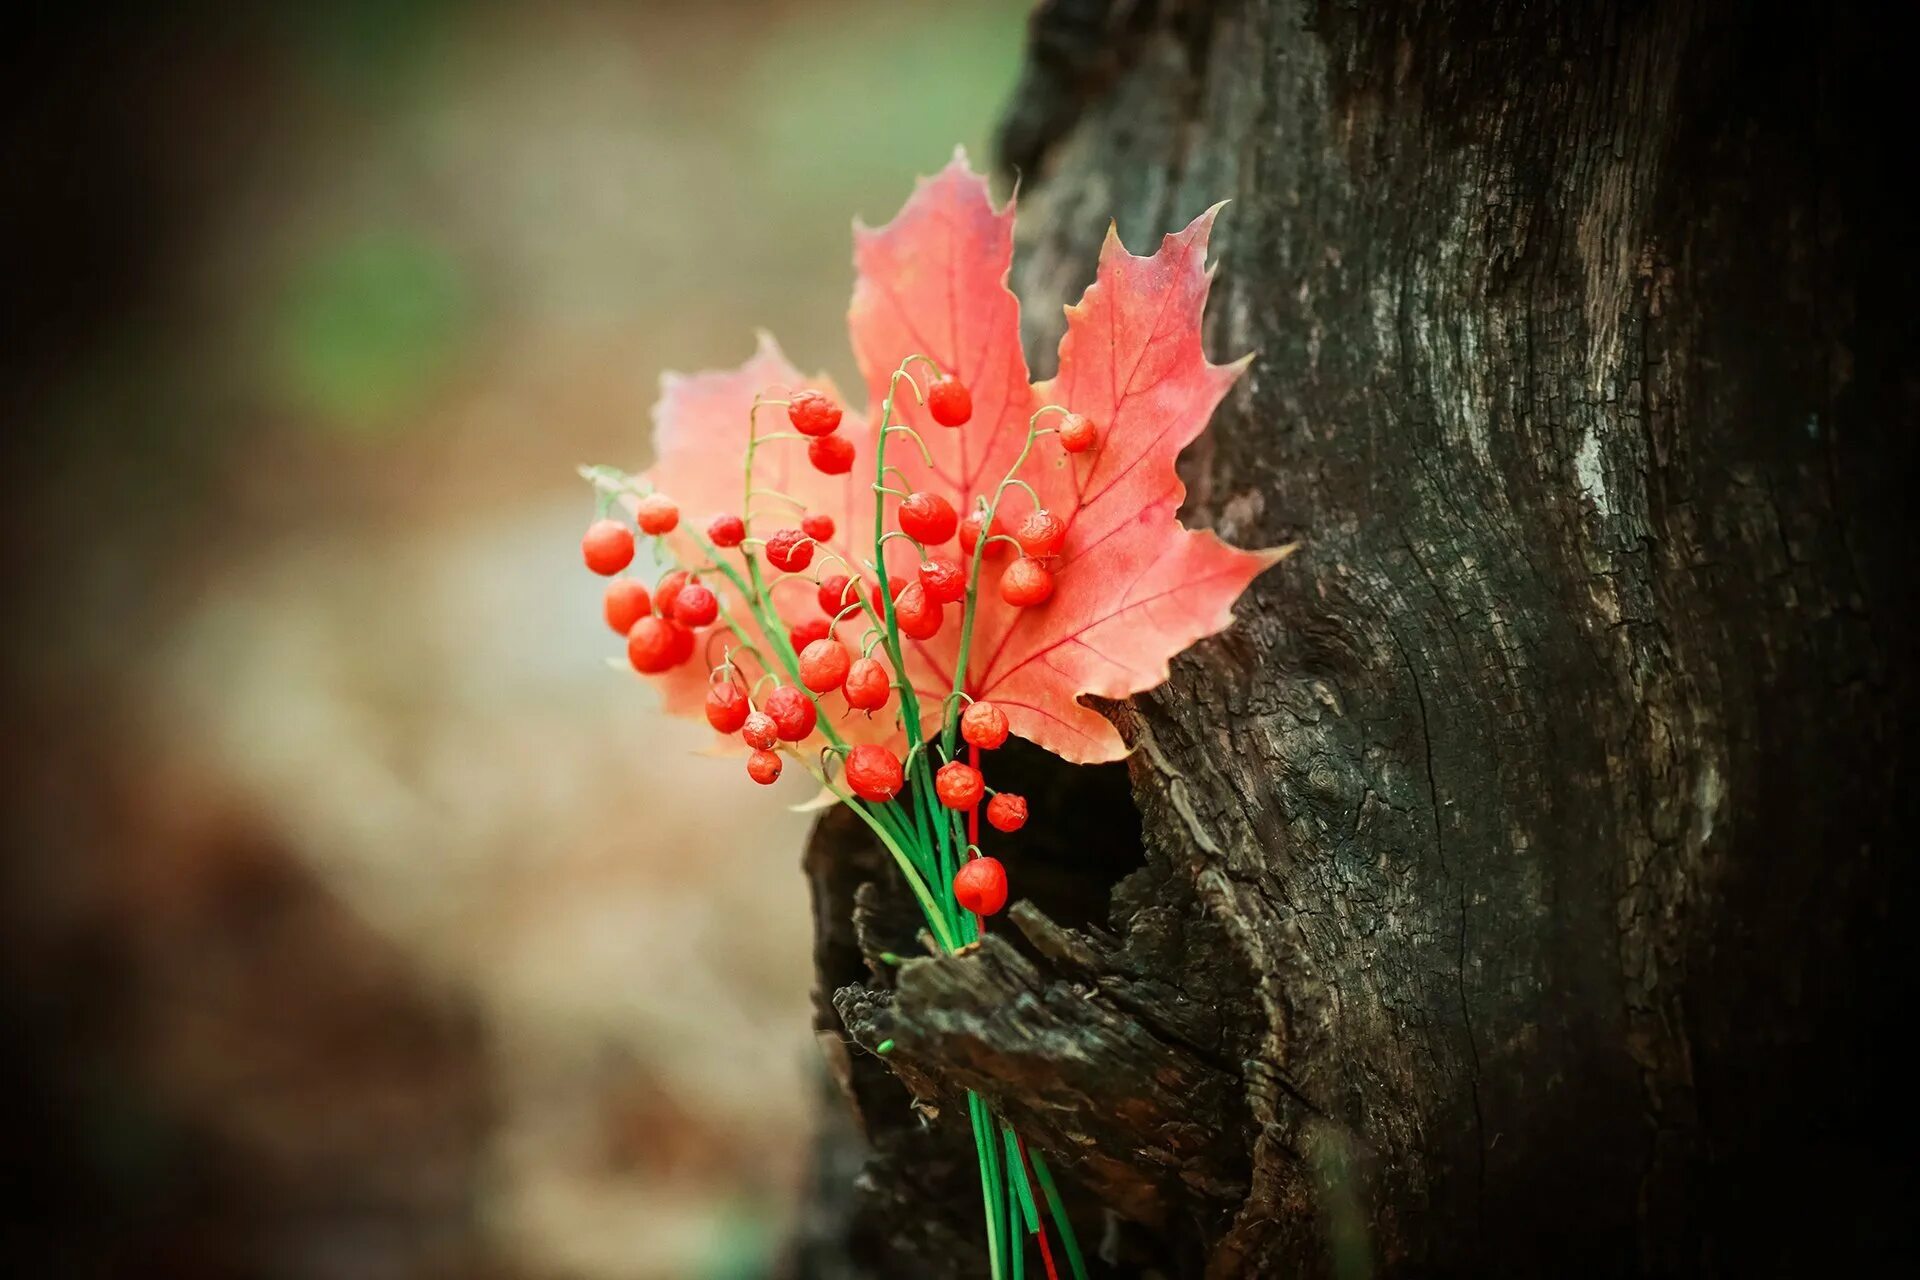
[{"x": 881, "y": 600}]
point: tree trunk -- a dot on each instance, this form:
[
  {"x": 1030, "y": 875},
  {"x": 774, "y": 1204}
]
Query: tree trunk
[{"x": 1518, "y": 886}]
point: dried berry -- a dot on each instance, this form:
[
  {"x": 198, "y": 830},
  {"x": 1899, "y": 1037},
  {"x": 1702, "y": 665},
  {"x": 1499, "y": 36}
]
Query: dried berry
[
  {"x": 695, "y": 606},
  {"x": 918, "y": 616},
  {"x": 813, "y": 413},
  {"x": 805, "y": 633},
  {"x": 759, "y": 731},
  {"x": 970, "y": 533},
  {"x": 764, "y": 768},
  {"x": 1077, "y": 435},
  {"x": 607, "y": 547},
  {"x": 727, "y": 531},
  {"x": 656, "y": 514},
  {"x": 667, "y": 590},
  {"x": 981, "y": 886},
  {"x": 873, "y": 773},
  {"x": 727, "y": 707},
  {"x": 959, "y": 785},
  {"x": 824, "y": 665},
  {"x": 945, "y": 581},
  {"x": 1026, "y": 583},
  {"x": 927, "y": 518},
  {"x": 833, "y": 594},
  {"x": 831, "y": 455},
  {"x": 792, "y": 711},
  {"x": 983, "y": 725},
  {"x": 652, "y": 645},
  {"x": 1007, "y": 812},
  {"x": 682, "y": 643},
  {"x": 789, "y": 550},
  {"x": 626, "y": 603},
  {"x": 949, "y": 401},
  {"x": 867, "y": 685},
  {"x": 1041, "y": 533},
  {"x": 817, "y": 525}
]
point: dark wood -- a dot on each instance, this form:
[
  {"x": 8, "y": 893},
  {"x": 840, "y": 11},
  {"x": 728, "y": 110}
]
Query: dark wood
[{"x": 1522, "y": 885}]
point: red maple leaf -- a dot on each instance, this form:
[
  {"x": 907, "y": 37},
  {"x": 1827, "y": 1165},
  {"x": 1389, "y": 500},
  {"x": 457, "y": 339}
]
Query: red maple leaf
[{"x": 1133, "y": 587}]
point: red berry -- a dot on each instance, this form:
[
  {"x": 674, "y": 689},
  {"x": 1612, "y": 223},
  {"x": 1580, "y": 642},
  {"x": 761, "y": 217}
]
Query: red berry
[
  {"x": 695, "y": 606},
  {"x": 817, "y": 526},
  {"x": 824, "y": 665},
  {"x": 759, "y": 731},
  {"x": 945, "y": 581},
  {"x": 833, "y": 594},
  {"x": 981, "y": 886},
  {"x": 682, "y": 643},
  {"x": 667, "y": 590},
  {"x": 607, "y": 547},
  {"x": 867, "y": 686},
  {"x": 895, "y": 585},
  {"x": 1077, "y": 435},
  {"x": 927, "y": 518},
  {"x": 727, "y": 707},
  {"x": 831, "y": 455},
  {"x": 813, "y": 413},
  {"x": 970, "y": 533},
  {"x": 727, "y": 531},
  {"x": 918, "y": 616},
  {"x": 873, "y": 773},
  {"x": 1007, "y": 812},
  {"x": 792, "y": 711},
  {"x": 805, "y": 633},
  {"x": 958, "y": 785},
  {"x": 656, "y": 514},
  {"x": 652, "y": 645},
  {"x": 626, "y": 603},
  {"x": 949, "y": 401},
  {"x": 789, "y": 550},
  {"x": 983, "y": 725},
  {"x": 1041, "y": 533},
  {"x": 1026, "y": 582},
  {"x": 764, "y": 768}
]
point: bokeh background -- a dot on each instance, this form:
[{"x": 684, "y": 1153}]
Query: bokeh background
[{"x": 359, "y": 920}]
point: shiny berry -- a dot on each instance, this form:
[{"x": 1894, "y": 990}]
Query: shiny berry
[
  {"x": 813, "y": 413},
  {"x": 759, "y": 731},
  {"x": 792, "y": 712},
  {"x": 958, "y": 785},
  {"x": 607, "y": 547},
  {"x": 1041, "y": 533},
  {"x": 831, "y": 455},
  {"x": 1007, "y": 812},
  {"x": 764, "y": 768},
  {"x": 1077, "y": 435},
  {"x": 651, "y": 645},
  {"x": 867, "y": 686},
  {"x": 667, "y": 590},
  {"x": 805, "y": 633},
  {"x": 727, "y": 531},
  {"x": 970, "y": 533},
  {"x": 789, "y": 550},
  {"x": 927, "y": 518},
  {"x": 945, "y": 581},
  {"x": 834, "y": 595},
  {"x": 949, "y": 401},
  {"x": 918, "y": 616},
  {"x": 1026, "y": 583},
  {"x": 817, "y": 526},
  {"x": 873, "y": 773},
  {"x": 626, "y": 603},
  {"x": 824, "y": 664},
  {"x": 983, "y": 725},
  {"x": 656, "y": 514},
  {"x": 727, "y": 707},
  {"x": 695, "y": 606},
  {"x": 981, "y": 886}
]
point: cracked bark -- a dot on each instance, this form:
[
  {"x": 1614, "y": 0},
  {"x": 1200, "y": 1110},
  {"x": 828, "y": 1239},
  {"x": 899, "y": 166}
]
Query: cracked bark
[{"x": 1519, "y": 885}]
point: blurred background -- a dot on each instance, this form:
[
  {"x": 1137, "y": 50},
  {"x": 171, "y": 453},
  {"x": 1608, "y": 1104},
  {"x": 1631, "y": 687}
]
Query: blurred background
[{"x": 358, "y": 920}]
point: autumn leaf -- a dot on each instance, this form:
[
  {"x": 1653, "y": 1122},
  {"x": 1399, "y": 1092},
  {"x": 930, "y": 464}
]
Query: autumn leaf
[{"x": 1133, "y": 587}]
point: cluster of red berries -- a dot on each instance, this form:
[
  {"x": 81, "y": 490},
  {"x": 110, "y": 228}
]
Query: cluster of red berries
[{"x": 660, "y": 625}]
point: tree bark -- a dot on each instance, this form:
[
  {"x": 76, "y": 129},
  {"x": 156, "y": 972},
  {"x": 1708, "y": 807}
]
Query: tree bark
[{"x": 1519, "y": 885}]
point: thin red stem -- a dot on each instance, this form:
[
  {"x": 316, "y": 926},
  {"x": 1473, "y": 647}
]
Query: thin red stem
[{"x": 1026, "y": 1166}]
